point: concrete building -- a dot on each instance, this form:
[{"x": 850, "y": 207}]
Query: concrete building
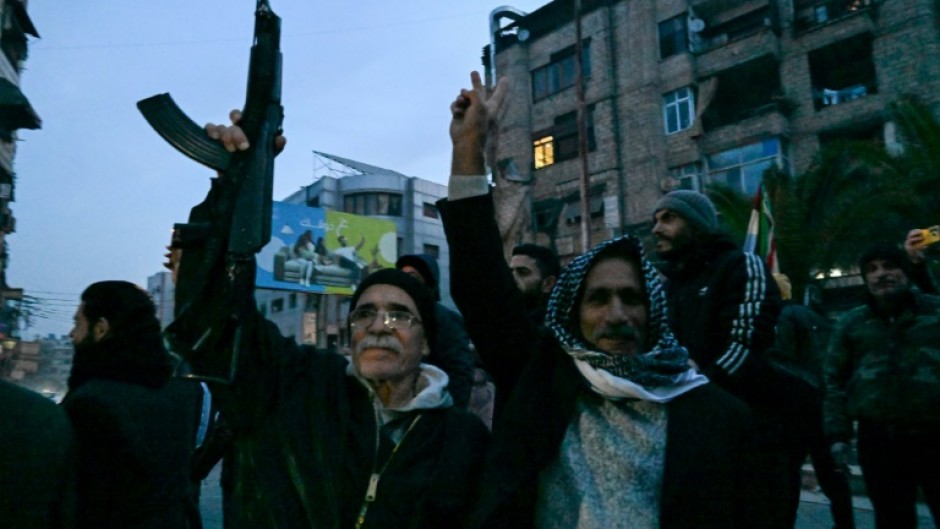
[
  {"x": 680, "y": 93},
  {"x": 162, "y": 291},
  {"x": 15, "y": 113},
  {"x": 361, "y": 189}
]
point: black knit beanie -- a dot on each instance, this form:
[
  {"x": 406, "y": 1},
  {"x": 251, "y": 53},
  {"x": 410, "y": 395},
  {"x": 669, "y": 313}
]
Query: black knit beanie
[
  {"x": 420, "y": 294},
  {"x": 888, "y": 252},
  {"x": 693, "y": 206}
]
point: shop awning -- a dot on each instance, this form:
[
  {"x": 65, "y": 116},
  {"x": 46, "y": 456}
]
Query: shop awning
[{"x": 15, "y": 110}]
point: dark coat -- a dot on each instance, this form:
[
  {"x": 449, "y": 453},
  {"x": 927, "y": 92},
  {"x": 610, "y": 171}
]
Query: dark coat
[
  {"x": 37, "y": 461},
  {"x": 135, "y": 443},
  {"x": 304, "y": 445},
  {"x": 708, "y": 445},
  {"x": 723, "y": 306}
]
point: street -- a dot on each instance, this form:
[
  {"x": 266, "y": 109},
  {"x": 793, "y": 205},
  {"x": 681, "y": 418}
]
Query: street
[{"x": 813, "y": 512}]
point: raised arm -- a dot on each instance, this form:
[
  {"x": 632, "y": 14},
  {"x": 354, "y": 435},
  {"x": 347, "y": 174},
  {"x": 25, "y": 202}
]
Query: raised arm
[{"x": 481, "y": 282}]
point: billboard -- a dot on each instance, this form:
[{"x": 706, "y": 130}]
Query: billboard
[{"x": 323, "y": 251}]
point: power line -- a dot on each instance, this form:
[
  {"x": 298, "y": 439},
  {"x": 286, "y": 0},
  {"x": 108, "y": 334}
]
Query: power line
[{"x": 223, "y": 40}]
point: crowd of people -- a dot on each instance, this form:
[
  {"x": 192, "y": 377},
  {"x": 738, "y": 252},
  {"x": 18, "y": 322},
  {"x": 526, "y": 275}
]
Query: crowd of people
[{"x": 622, "y": 391}]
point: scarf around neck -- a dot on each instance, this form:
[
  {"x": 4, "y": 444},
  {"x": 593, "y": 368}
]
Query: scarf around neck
[{"x": 660, "y": 374}]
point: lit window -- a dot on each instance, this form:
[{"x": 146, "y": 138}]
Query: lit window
[
  {"x": 544, "y": 151},
  {"x": 678, "y": 110}
]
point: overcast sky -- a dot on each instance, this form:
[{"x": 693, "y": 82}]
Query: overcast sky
[{"x": 97, "y": 190}]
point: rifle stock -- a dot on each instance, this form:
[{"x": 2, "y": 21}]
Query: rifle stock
[{"x": 215, "y": 284}]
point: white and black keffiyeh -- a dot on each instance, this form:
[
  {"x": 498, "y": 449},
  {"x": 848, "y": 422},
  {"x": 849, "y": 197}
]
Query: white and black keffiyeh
[{"x": 663, "y": 370}]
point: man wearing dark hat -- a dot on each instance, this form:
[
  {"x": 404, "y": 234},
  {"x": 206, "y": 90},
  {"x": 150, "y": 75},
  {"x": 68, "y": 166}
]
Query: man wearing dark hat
[
  {"x": 883, "y": 370},
  {"x": 451, "y": 351},
  {"x": 373, "y": 440},
  {"x": 723, "y": 306}
]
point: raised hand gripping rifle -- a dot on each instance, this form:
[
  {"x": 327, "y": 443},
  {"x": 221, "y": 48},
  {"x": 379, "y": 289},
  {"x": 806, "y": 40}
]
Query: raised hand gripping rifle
[{"x": 215, "y": 284}]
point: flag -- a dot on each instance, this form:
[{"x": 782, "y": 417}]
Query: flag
[{"x": 760, "y": 232}]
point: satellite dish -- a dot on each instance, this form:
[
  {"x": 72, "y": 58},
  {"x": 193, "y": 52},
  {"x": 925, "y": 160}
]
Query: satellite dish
[
  {"x": 523, "y": 35},
  {"x": 696, "y": 25}
]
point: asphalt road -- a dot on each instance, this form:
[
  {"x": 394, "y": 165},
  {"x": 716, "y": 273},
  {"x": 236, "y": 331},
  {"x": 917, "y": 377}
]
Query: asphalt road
[{"x": 813, "y": 512}]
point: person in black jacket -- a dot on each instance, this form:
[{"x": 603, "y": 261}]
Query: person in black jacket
[
  {"x": 802, "y": 341},
  {"x": 606, "y": 425},
  {"x": 322, "y": 440},
  {"x": 37, "y": 461},
  {"x": 451, "y": 351},
  {"x": 535, "y": 270},
  {"x": 723, "y": 306},
  {"x": 134, "y": 424}
]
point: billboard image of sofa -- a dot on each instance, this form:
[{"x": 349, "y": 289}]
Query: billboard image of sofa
[{"x": 323, "y": 251}]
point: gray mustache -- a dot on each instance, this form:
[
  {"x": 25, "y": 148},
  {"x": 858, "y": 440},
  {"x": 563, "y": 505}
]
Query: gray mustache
[{"x": 383, "y": 341}]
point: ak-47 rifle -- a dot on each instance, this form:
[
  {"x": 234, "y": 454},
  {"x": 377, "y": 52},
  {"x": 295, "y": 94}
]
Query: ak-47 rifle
[{"x": 216, "y": 271}]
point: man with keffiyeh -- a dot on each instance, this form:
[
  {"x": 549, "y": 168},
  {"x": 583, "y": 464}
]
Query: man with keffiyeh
[{"x": 607, "y": 425}]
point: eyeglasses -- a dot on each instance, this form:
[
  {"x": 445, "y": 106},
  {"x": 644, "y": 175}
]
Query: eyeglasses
[{"x": 393, "y": 319}]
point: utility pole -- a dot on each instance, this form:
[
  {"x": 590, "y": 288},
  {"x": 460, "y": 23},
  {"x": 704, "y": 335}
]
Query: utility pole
[{"x": 582, "y": 133}]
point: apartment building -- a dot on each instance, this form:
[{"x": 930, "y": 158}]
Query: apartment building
[
  {"x": 15, "y": 113},
  {"x": 681, "y": 93}
]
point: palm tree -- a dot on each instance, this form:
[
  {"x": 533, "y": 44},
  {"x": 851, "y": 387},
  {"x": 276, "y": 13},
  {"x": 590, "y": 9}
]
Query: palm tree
[{"x": 853, "y": 194}]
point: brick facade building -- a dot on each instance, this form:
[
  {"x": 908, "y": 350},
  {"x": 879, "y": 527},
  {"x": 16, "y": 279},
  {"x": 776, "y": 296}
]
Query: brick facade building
[{"x": 680, "y": 93}]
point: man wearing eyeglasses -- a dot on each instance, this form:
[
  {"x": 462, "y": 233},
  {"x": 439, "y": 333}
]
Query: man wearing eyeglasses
[{"x": 320, "y": 440}]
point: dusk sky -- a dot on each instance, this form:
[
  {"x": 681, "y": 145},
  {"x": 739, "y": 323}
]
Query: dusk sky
[{"x": 97, "y": 190}]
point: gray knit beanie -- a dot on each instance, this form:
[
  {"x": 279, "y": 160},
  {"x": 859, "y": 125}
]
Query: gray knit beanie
[{"x": 693, "y": 206}]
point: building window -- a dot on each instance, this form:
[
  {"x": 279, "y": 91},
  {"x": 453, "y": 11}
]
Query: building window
[
  {"x": 543, "y": 151},
  {"x": 688, "y": 176},
  {"x": 314, "y": 202},
  {"x": 559, "y": 73},
  {"x": 399, "y": 246},
  {"x": 673, "y": 36},
  {"x": 678, "y": 110},
  {"x": 842, "y": 71},
  {"x": 572, "y": 211},
  {"x": 742, "y": 92},
  {"x": 385, "y": 204},
  {"x": 263, "y": 309},
  {"x": 560, "y": 142},
  {"x": 430, "y": 211},
  {"x": 812, "y": 13},
  {"x": 277, "y": 305},
  {"x": 742, "y": 168},
  {"x": 433, "y": 250},
  {"x": 292, "y": 300}
]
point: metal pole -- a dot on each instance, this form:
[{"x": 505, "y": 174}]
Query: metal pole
[{"x": 582, "y": 134}]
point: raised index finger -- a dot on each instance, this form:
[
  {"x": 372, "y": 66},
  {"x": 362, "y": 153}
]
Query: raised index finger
[{"x": 476, "y": 82}]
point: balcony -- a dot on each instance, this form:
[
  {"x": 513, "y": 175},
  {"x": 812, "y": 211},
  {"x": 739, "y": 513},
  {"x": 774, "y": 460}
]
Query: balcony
[{"x": 810, "y": 14}]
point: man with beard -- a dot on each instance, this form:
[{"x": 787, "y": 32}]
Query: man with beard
[
  {"x": 723, "y": 306},
  {"x": 883, "y": 370},
  {"x": 602, "y": 413},
  {"x": 134, "y": 424},
  {"x": 535, "y": 270}
]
